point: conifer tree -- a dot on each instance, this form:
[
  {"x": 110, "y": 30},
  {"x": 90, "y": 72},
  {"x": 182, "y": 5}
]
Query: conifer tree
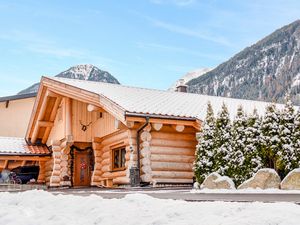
[
  {"x": 237, "y": 160},
  {"x": 223, "y": 149},
  {"x": 203, "y": 165},
  {"x": 286, "y": 155},
  {"x": 296, "y": 140},
  {"x": 252, "y": 150},
  {"x": 270, "y": 139}
]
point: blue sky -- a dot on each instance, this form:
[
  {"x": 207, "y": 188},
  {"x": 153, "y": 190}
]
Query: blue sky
[{"x": 148, "y": 43}]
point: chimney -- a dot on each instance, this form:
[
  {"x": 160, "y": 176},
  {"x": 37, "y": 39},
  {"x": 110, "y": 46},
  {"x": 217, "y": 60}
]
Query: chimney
[{"x": 181, "y": 87}]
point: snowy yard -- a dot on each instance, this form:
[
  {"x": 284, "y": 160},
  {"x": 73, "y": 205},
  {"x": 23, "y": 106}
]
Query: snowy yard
[{"x": 41, "y": 207}]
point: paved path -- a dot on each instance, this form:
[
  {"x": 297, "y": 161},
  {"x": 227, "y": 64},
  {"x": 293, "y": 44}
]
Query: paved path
[{"x": 185, "y": 194}]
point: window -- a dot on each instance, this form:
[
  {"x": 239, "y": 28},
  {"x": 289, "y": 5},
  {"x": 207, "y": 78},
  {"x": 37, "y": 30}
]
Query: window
[{"x": 118, "y": 160}]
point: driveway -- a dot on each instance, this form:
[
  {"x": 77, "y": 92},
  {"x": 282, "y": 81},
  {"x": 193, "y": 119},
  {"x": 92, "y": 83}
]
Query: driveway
[{"x": 184, "y": 194}]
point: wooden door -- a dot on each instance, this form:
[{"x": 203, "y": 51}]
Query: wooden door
[{"x": 81, "y": 169}]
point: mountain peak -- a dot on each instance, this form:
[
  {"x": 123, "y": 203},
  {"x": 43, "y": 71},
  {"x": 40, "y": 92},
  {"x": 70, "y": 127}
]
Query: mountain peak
[
  {"x": 189, "y": 76},
  {"x": 267, "y": 70},
  {"x": 81, "y": 72}
]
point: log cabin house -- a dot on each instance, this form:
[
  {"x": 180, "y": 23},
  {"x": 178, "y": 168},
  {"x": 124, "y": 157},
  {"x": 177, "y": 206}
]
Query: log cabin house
[{"x": 84, "y": 133}]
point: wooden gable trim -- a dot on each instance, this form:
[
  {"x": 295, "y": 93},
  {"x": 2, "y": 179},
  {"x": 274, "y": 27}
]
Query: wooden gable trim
[
  {"x": 85, "y": 96},
  {"x": 36, "y": 110}
]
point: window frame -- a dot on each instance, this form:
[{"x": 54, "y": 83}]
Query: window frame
[{"x": 113, "y": 150}]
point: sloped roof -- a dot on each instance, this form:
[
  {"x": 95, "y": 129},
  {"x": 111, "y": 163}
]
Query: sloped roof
[
  {"x": 135, "y": 100},
  {"x": 17, "y": 97},
  {"x": 18, "y": 146}
]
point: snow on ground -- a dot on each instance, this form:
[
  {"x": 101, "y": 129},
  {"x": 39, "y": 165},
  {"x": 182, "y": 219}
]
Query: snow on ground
[
  {"x": 245, "y": 191},
  {"x": 41, "y": 207}
]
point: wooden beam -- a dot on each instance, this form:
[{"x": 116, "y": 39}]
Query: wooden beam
[
  {"x": 45, "y": 123},
  {"x": 68, "y": 116},
  {"x": 178, "y": 128},
  {"x": 130, "y": 124},
  {"x": 93, "y": 108},
  {"x": 52, "y": 118},
  {"x": 23, "y": 163},
  {"x": 40, "y": 117},
  {"x": 163, "y": 121},
  {"x": 5, "y": 164},
  {"x": 52, "y": 94},
  {"x": 22, "y": 158},
  {"x": 157, "y": 126}
]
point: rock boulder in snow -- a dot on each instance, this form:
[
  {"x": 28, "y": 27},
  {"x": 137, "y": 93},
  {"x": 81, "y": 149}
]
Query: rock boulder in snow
[
  {"x": 291, "y": 181},
  {"x": 263, "y": 179},
  {"x": 216, "y": 181}
]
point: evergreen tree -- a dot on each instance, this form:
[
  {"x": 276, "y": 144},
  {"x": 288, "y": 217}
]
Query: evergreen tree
[
  {"x": 203, "y": 165},
  {"x": 237, "y": 161},
  {"x": 270, "y": 139},
  {"x": 296, "y": 140},
  {"x": 252, "y": 150},
  {"x": 287, "y": 156},
  {"x": 223, "y": 149}
]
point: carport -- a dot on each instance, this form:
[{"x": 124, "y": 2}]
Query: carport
[{"x": 16, "y": 152}]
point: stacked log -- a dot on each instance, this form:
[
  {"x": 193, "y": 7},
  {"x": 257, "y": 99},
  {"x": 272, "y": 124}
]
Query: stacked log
[
  {"x": 172, "y": 156},
  {"x": 97, "y": 173},
  {"x": 146, "y": 170},
  {"x": 54, "y": 180},
  {"x": 103, "y": 159},
  {"x": 57, "y": 170},
  {"x": 130, "y": 156},
  {"x": 64, "y": 167}
]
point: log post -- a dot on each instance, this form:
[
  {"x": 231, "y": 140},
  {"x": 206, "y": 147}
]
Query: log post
[
  {"x": 41, "y": 177},
  {"x": 68, "y": 116},
  {"x": 97, "y": 173},
  {"x": 146, "y": 155},
  {"x": 65, "y": 173}
]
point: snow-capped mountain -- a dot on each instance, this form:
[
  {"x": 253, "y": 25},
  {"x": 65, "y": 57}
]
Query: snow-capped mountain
[
  {"x": 80, "y": 72},
  {"x": 265, "y": 71},
  {"x": 189, "y": 76}
]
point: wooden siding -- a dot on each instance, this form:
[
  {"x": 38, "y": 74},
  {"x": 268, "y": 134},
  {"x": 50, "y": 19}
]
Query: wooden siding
[
  {"x": 15, "y": 117},
  {"x": 97, "y": 127}
]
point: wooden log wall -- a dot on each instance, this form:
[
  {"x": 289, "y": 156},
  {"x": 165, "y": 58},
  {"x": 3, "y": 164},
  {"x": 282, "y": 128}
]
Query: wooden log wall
[
  {"x": 57, "y": 169},
  {"x": 172, "y": 154},
  {"x": 103, "y": 159},
  {"x": 167, "y": 155}
]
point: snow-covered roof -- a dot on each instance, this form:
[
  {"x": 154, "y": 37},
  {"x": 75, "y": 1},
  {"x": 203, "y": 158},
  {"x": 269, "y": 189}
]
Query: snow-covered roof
[
  {"x": 18, "y": 146},
  {"x": 163, "y": 103}
]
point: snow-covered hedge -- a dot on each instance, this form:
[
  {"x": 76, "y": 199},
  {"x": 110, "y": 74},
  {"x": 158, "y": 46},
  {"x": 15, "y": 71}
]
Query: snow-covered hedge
[{"x": 240, "y": 147}]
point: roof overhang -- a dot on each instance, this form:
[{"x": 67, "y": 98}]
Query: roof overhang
[{"x": 17, "y": 97}]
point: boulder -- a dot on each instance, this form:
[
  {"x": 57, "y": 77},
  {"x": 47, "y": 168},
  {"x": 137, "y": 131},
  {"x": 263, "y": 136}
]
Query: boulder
[
  {"x": 216, "y": 181},
  {"x": 263, "y": 179},
  {"x": 291, "y": 181}
]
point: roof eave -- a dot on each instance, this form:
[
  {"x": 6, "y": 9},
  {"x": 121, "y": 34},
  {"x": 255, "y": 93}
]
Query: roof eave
[{"x": 156, "y": 116}]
